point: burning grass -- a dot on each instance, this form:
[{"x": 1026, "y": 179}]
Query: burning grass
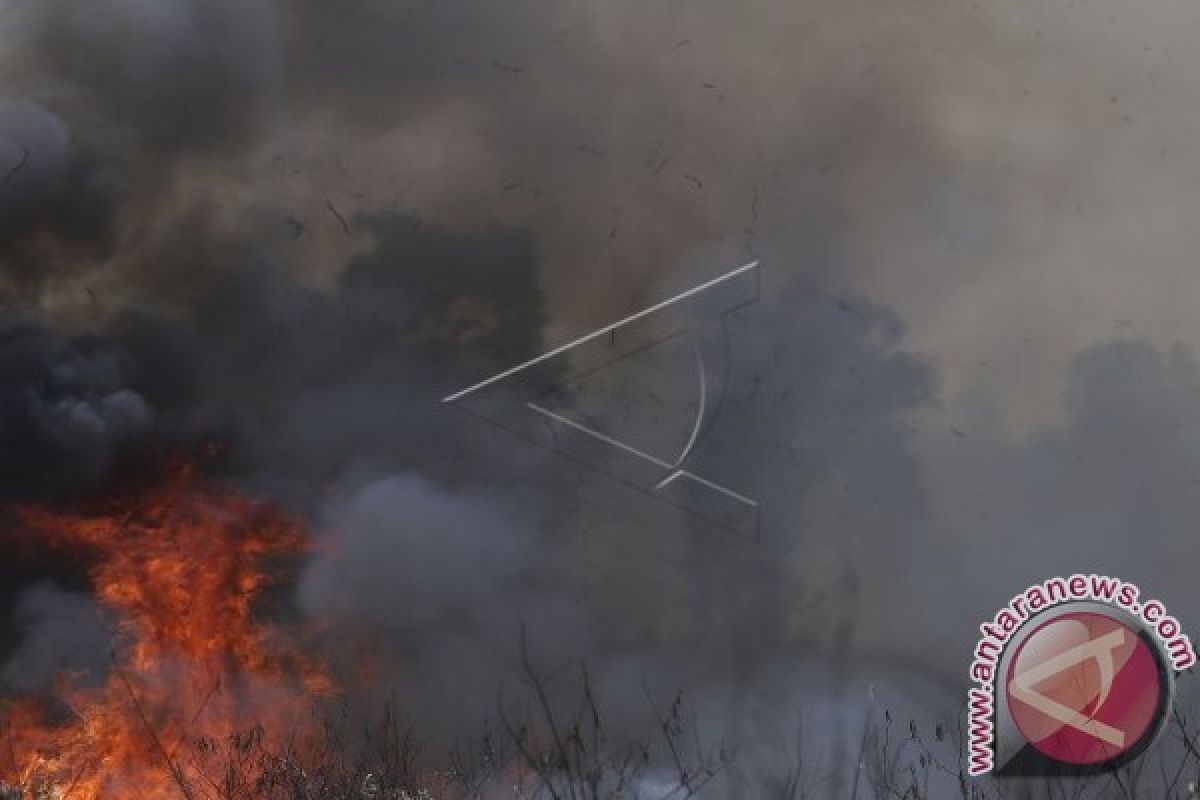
[
  {"x": 203, "y": 700},
  {"x": 179, "y": 567}
]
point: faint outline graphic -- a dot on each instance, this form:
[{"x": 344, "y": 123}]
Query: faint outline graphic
[{"x": 698, "y": 312}]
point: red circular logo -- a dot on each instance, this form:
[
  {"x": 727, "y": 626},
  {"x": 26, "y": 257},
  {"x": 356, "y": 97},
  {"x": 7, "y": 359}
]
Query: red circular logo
[{"x": 1084, "y": 688}]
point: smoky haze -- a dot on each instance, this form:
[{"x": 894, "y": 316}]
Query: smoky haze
[{"x": 294, "y": 226}]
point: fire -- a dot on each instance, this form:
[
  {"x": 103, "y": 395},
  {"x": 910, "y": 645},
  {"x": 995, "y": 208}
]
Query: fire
[{"x": 194, "y": 674}]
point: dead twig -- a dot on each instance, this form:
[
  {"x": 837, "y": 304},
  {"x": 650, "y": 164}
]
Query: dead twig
[
  {"x": 176, "y": 773},
  {"x": 338, "y": 216},
  {"x": 20, "y": 165}
]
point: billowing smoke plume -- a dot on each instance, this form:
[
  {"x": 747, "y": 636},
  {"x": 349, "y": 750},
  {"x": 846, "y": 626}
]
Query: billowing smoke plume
[{"x": 292, "y": 227}]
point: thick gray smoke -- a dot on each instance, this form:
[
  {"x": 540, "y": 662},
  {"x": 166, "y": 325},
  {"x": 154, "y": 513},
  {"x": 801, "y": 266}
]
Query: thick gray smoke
[{"x": 293, "y": 226}]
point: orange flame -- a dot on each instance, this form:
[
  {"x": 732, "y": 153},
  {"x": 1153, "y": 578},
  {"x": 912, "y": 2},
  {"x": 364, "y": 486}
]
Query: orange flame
[{"x": 179, "y": 568}]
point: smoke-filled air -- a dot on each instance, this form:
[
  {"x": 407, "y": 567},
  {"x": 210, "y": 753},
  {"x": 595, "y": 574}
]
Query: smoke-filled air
[{"x": 250, "y": 248}]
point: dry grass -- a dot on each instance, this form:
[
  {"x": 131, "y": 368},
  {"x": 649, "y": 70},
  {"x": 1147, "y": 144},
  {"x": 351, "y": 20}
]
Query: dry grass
[{"x": 558, "y": 748}]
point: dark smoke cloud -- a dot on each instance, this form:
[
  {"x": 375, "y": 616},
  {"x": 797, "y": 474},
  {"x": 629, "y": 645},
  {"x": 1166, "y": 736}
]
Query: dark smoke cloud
[
  {"x": 54, "y": 201},
  {"x": 35, "y": 152},
  {"x": 422, "y": 311},
  {"x": 438, "y": 579},
  {"x": 68, "y": 412},
  {"x": 1108, "y": 491},
  {"x": 166, "y": 78},
  {"x": 63, "y": 632}
]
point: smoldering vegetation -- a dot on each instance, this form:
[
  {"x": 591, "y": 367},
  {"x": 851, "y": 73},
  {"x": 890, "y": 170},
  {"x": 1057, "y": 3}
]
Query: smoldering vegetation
[{"x": 292, "y": 227}]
